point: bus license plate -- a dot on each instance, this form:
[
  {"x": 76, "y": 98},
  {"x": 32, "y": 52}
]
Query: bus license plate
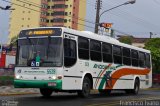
[{"x": 52, "y": 84}]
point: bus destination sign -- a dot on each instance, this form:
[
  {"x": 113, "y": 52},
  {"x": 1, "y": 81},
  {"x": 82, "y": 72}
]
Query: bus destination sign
[{"x": 41, "y": 32}]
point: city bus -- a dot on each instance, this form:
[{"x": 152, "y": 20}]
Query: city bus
[{"x": 58, "y": 59}]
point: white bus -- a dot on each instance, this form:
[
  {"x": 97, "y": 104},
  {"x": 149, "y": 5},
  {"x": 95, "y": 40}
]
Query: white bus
[{"x": 57, "y": 59}]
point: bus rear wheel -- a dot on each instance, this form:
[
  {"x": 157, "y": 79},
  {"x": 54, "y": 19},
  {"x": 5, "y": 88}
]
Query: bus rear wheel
[
  {"x": 46, "y": 92},
  {"x": 86, "y": 88},
  {"x": 136, "y": 88}
]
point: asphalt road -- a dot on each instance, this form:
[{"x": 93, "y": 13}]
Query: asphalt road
[{"x": 144, "y": 98}]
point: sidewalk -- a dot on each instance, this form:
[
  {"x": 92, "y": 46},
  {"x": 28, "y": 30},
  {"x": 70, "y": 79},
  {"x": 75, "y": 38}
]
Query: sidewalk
[{"x": 10, "y": 90}]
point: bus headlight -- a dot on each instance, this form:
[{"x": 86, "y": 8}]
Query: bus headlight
[
  {"x": 17, "y": 77},
  {"x": 54, "y": 77}
]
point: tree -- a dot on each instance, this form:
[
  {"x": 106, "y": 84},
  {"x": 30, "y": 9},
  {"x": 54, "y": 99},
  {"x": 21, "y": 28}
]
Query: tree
[
  {"x": 154, "y": 46},
  {"x": 126, "y": 39},
  {"x": 13, "y": 41}
]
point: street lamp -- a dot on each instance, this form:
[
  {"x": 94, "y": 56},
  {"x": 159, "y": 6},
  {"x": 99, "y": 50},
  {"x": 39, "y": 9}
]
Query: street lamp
[{"x": 97, "y": 20}]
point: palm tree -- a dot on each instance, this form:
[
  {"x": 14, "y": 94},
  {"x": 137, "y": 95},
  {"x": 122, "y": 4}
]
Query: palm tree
[{"x": 13, "y": 42}]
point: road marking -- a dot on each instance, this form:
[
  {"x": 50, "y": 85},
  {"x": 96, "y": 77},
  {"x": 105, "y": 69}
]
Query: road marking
[{"x": 118, "y": 102}]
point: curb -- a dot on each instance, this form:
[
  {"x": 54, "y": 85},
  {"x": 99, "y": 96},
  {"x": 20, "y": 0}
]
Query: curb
[
  {"x": 14, "y": 94},
  {"x": 152, "y": 89}
]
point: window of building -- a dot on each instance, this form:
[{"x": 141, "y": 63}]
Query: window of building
[
  {"x": 83, "y": 48},
  {"x": 70, "y": 57},
  {"x": 134, "y": 55},
  {"x": 95, "y": 50},
  {"x": 59, "y": 6},
  {"x": 58, "y": 13},
  {"x": 126, "y": 56},
  {"x": 47, "y": 21},
  {"x": 117, "y": 54},
  {"x": 107, "y": 52}
]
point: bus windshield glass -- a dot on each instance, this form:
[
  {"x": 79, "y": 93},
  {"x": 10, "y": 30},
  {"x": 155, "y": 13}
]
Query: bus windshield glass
[{"x": 48, "y": 50}]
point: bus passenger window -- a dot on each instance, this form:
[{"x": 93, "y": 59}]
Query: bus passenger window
[
  {"x": 107, "y": 52},
  {"x": 134, "y": 57},
  {"x": 83, "y": 48},
  {"x": 69, "y": 52},
  {"x": 148, "y": 62},
  {"x": 126, "y": 56},
  {"x": 117, "y": 54},
  {"x": 142, "y": 59},
  {"x": 95, "y": 50}
]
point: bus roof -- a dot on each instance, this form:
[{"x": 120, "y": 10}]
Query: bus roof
[{"x": 94, "y": 36}]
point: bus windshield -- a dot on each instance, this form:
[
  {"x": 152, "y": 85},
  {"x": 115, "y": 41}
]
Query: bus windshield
[{"x": 48, "y": 49}]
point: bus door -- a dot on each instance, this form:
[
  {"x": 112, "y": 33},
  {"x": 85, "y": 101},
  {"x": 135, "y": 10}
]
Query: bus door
[{"x": 70, "y": 73}]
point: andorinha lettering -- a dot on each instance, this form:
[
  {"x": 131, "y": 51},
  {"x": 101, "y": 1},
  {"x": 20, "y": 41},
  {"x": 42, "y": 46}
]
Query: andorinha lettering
[{"x": 49, "y": 32}]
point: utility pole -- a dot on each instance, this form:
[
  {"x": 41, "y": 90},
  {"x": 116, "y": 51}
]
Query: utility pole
[
  {"x": 151, "y": 34},
  {"x": 98, "y": 7}
]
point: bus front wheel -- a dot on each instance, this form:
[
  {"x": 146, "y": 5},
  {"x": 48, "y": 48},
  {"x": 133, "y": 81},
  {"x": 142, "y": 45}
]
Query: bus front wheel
[
  {"x": 86, "y": 87},
  {"x": 46, "y": 92}
]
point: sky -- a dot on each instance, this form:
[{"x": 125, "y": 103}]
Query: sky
[
  {"x": 133, "y": 19},
  {"x": 4, "y": 23}
]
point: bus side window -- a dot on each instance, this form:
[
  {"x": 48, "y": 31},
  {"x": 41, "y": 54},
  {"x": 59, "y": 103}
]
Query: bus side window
[
  {"x": 83, "y": 48},
  {"x": 148, "y": 61},
  {"x": 117, "y": 54},
  {"x": 134, "y": 57},
  {"x": 95, "y": 50},
  {"x": 69, "y": 52},
  {"x": 126, "y": 56},
  {"x": 107, "y": 52},
  {"x": 142, "y": 59}
]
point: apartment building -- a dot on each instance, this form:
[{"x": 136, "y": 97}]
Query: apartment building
[{"x": 46, "y": 13}]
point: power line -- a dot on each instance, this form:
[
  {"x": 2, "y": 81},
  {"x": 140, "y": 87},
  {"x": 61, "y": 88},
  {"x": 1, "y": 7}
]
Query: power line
[
  {"x": 138, "y": 20},
  {"x": 21, "y": 6},
  {"x": 40, "y": 11},
  {"x": 68, "y": 16},
  {"x": 157, "y": 2},
  {"x": 31, "y": 3}
]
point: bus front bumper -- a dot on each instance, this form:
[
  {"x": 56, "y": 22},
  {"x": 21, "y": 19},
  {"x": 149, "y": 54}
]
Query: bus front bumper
[{"x": 53, "y": 84}]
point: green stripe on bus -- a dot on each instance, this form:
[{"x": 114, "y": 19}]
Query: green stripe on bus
[{"x": 37, "y": 84}]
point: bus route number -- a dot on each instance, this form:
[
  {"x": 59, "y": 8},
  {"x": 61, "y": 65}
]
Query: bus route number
[{"x": 51, "y": 71}]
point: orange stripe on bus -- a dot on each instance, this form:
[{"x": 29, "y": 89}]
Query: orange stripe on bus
[{"x": 126, "y": 71}]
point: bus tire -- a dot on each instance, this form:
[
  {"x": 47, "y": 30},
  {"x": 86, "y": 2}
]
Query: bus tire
[
  {"x": 46, "y": 92},
  {"x": 86, "y": 88},
  {"x": 136, "y": 88}
]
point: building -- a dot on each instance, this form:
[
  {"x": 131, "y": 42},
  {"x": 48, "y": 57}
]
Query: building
[
  {"x": 139, "y": 42},
  {"x": 46, "y": 13},
  {"x": 68, "y": 13}
]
